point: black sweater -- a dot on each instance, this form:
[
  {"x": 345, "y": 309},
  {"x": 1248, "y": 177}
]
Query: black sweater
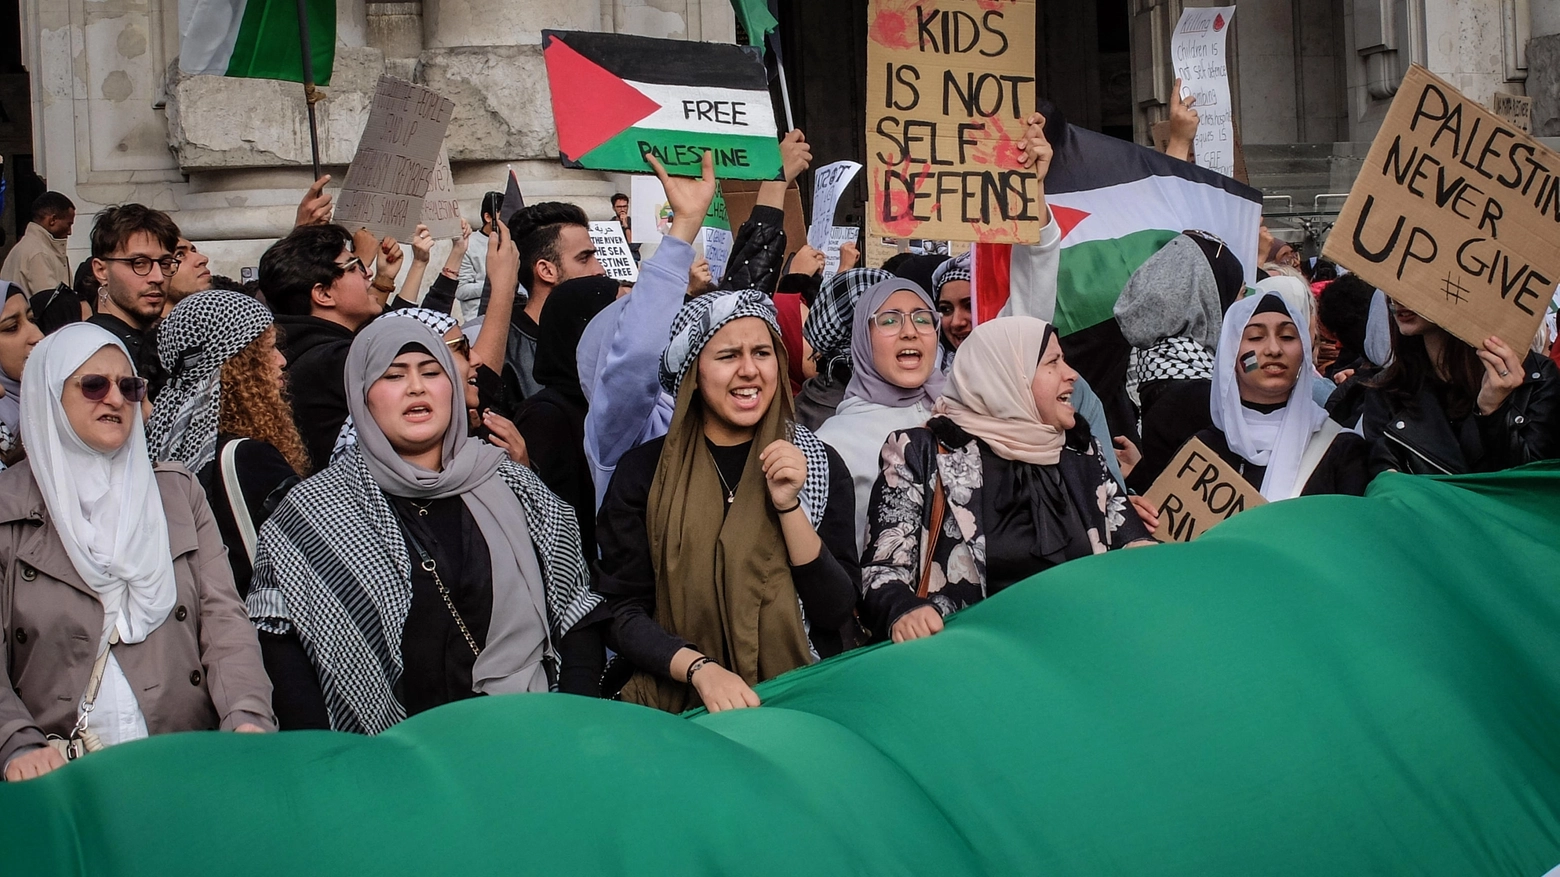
[{"x": 828, "y": 586}]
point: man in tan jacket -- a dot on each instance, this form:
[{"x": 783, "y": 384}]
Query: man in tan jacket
[{"x": 38, "y": 261}]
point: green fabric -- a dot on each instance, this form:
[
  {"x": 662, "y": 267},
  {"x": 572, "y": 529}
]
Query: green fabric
[
  {"x": 757, "y": 20},
  {"x": 1325, "y": 686},
  {"x": 1091, "y": 275},
  {"x": 267, "y": 44}
]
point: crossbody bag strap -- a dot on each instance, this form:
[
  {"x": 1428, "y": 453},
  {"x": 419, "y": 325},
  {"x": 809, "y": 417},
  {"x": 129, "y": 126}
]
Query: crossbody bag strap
[
  {"x": 94, "y": 685},
  {"x": 1315, "y": 450},
  {"x": 939, "y": 508},
  {"x": 228, "y": 464}
]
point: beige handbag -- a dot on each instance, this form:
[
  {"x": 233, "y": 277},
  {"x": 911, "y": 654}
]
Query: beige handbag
[{"x": 83, "y": 739}]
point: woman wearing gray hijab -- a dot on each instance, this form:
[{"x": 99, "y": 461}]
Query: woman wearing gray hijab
[
  {"x": 896, "y": 381},
  {"x": 423, "y": 566}
]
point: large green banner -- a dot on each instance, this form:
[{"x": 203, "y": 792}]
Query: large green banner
[{"x": 1324, "y": 686}]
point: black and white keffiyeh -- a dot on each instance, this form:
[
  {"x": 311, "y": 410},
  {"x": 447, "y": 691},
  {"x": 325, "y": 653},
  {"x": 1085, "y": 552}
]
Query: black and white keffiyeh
[
  {"x": 833, "y": 313},
  {"x": 331, "y": 565},
  {"x": 193, "y": 343},
  {"x": 1177, "y": 358},
  {"x": 957, "y": 268}
]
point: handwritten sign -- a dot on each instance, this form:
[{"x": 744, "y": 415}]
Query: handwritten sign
[
  {"x": 1197, "y": 49},
  {"x": 949, "y": 83},
  {"x": 396, "y": 160},
  {"x": 838, "y": 237},
  {"x": 829, "y": 183},
  {"x": 441, "y": 212},
  {"x": 717, "y": 249},
  {"x": 613, "y": 252},
  {"x": 1455, "y": 214},
  {"x": 1196, "y": 491}
]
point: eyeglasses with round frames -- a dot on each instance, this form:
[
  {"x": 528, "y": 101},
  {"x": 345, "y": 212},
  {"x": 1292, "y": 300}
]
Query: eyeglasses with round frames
[
  {"x": 888, "y": 322},
  {"x": 142, "y": 265}
]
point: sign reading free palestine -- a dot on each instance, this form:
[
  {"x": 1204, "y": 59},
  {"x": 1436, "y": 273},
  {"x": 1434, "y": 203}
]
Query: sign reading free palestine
[{"x": 616, "y": 98}]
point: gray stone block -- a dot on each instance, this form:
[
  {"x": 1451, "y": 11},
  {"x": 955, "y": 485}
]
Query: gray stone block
[
  {"x": 503, "y": 110},
  {"x": 1543, "y": 84}
]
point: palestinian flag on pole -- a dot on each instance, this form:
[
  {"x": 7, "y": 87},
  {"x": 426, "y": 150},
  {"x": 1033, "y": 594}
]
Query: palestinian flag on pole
[
  {"x": 615, "y": 98},
  {"x": 257, "y": 39},
  {"x": 1116, "y": 203}
]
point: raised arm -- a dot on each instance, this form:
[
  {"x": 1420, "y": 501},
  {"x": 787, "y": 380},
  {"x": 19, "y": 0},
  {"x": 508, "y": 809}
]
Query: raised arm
[{"x": 503, "y": 271}]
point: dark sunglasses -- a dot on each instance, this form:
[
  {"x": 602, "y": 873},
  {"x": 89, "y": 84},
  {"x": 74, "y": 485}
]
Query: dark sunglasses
[
  {"x": 460, "y": 346},
  {"x": 95, "y": 387}
]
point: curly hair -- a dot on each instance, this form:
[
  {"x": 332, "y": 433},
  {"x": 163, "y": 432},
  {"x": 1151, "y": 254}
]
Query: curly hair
[{"x": 253, "y": 406}]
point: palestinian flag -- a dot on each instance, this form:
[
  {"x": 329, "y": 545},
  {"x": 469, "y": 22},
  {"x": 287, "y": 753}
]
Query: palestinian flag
[
  {"x": 513, "y": 200},
  {"x": 1116, "y": 203},
  {"x": 617, "y": 97},
  {"x": 257, "y": 39}
]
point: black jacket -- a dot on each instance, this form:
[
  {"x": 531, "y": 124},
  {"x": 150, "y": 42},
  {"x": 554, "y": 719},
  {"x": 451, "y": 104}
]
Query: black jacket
[
  {"x": 758, "y": 251},
  {"x": 316, "y": 352},
  {"x": 1419, "y": 439}
]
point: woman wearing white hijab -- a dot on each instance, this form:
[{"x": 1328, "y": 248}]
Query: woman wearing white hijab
[
  {"x": 1005, "y": 482},
  {"x": 1266, "y": 423},
  {"x": 100, "y": 550}
]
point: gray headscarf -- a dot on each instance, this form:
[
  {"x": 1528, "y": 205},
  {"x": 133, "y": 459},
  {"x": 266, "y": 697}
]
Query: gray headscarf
[
  {"x": 1173, "y": 294},
  {"x": 517, "y": 634},
  {"x": 865, "y": 381},
  {"x": 193, "y": 343}
]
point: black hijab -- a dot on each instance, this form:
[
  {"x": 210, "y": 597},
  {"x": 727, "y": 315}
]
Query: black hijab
[
  {"x": 569, "y": 309},
  {"x": 920, "y": 269},
  {"x": 1227, "y": 270}
]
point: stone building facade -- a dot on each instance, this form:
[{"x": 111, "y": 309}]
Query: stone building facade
[{"x": 98, "y": 109}]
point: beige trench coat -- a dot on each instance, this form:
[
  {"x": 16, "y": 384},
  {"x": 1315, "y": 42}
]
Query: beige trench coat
[{"x": 199, "y": 670}]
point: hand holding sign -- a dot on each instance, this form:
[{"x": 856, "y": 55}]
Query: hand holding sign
[{"x": 795, "y": 155}]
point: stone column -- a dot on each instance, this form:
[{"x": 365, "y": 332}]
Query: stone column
[{"x": 1543, "y": 59}]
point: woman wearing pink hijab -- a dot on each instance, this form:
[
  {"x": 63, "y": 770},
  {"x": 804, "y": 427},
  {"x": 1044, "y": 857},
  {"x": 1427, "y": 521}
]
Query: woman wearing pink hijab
[{"x": 1005, "y": 481}]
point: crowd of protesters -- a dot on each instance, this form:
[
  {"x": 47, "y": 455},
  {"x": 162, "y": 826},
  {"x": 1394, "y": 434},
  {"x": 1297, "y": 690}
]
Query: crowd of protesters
[{"x": 320, "y": 502}]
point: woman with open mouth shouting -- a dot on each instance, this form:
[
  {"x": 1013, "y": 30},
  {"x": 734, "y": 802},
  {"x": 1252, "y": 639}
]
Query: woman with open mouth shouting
[
  {"x": 422, "y": 566},
  {"x": 726, "y": 546},
  {"x": 895, "y": 383},
  {"x": 1004, "y": 482}
]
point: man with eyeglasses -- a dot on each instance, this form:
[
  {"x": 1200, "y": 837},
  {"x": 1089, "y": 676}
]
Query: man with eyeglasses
[
  {"x": 321, "y": 294},
  {"x": 132, "y": 259}
]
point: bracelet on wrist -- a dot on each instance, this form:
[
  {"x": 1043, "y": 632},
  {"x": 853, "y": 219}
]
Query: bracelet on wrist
[
  {"x": 697, "y": 663},
  {"x": 385, "y": 289},
  {"x": 793, "y": 507}
]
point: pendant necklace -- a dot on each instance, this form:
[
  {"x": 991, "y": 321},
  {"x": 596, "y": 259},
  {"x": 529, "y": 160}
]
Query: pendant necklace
[
  {"x": 422, "y": 510},
  {"x": 731, "y": 493}
]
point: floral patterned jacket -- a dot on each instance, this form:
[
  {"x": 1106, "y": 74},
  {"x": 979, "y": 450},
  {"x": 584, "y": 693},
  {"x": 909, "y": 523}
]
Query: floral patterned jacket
[{"x": 900, "y": 512}]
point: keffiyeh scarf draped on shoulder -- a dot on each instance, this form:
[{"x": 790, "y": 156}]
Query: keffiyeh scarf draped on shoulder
[
  {"x": 193, "y": 343},
  {"x": 332, "y": 566},
  {"x": 829, "y": 320}
]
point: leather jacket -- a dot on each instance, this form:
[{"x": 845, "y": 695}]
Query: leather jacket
[
  {"x": 1418, "y": 438},
  {"x": 757, "y": 252}
]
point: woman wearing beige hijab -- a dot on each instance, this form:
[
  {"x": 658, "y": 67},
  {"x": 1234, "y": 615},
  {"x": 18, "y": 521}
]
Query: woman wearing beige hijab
[{"x": 1008, "y": 470}]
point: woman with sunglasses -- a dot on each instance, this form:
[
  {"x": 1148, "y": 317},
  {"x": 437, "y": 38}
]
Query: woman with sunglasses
[
  {"x": 224, "y": 413},
  {"x": 111, "y": 573},
  {"x": 894, "y": 385},
  {"x": 18, "y": 336},
  {"x": 1004, "y": 482},
  {"x": 726, "y": 548},
  {"x": 422, "y": 567}
]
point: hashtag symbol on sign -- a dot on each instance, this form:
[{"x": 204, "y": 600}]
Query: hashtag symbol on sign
[{"x": 1454, "y": 291}]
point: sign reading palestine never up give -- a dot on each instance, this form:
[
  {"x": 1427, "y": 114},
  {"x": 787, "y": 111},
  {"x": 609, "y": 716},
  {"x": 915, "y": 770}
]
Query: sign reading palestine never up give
[
  {"x": 1455, "y": 214},
  {"x": 616, "y": 98},
  {"x": 949, "y": 84}
]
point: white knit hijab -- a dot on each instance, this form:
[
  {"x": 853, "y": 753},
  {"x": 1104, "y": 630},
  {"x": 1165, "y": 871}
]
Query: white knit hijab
[
  {"x": 105, "y": 507},
  {"x": 1275, "y": 440}
]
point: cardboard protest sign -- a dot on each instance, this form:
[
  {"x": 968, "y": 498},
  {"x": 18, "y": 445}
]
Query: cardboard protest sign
[
  {"x": 829, "y": 183},
  {"x": 396, "y": 160},
  {"x": 1197, "y": 49},
  {"x": 613, "y": 252},
  {"x": 949, "y": 85},
  {"x": 441, "y": 212},
  {"x": 838, "y": 237},
  {"x": 616, "y": 98},
  {"x": 1456, "y": 215},
  {"x": 716, "y": 243},
  {"x": 1197, "y": 490}
]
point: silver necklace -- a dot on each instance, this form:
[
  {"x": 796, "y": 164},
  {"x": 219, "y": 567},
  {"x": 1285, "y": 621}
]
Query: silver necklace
[{"x": 731, "y": 493}]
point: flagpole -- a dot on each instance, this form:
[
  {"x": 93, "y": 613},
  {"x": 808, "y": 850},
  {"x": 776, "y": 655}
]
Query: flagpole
[
  {"x": 310, "y": 93},
  {"x": 785, "y": 93}
]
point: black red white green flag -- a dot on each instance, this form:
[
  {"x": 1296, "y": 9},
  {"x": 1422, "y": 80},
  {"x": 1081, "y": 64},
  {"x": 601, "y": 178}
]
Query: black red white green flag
[
  {"x": 1116, "y": 203},
  {"x": 617, "y": 97}
]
